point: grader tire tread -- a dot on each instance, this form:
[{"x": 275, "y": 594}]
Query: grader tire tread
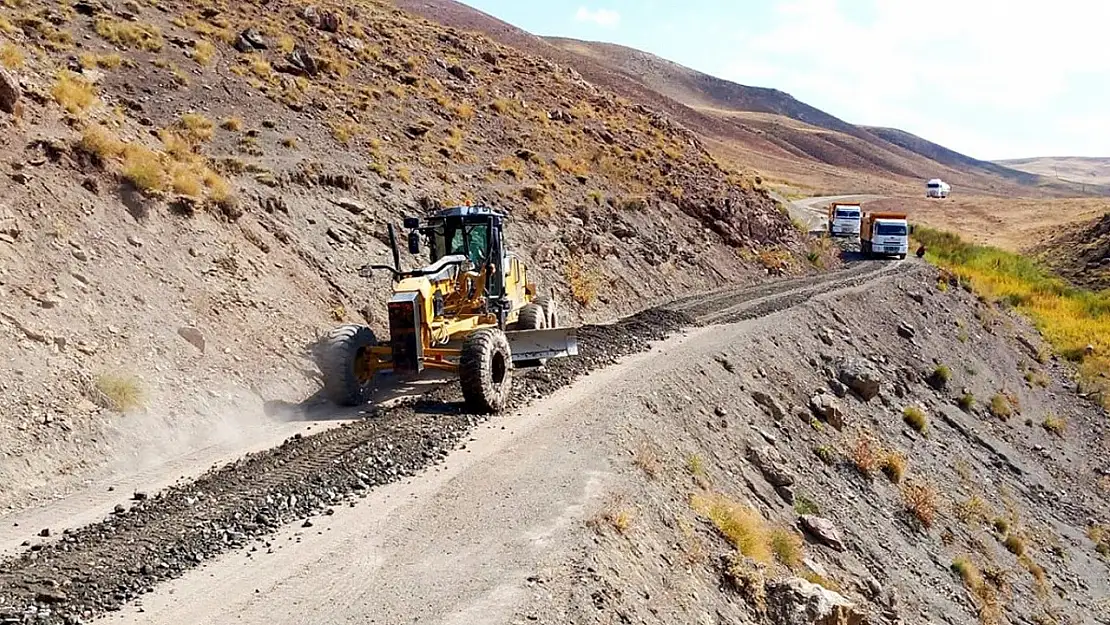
[
  {"x": 548, "y": 305},
  {"x": 338, "y": 355},
  {"x": 532, "y": 317},
  {"x": 485, "y": 357}
]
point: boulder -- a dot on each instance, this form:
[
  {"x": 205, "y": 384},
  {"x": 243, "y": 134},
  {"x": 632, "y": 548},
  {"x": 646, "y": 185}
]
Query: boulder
[
  {"x": 826, "y": 408},
  {"x": 769, "y": 462},
  {"x": 906, "y": 331},
  {"x": 9, "y": 92},
  {"x": 769, "y": 404},
  {"x": 823, "y": 530},
  {"x": 862, "y": 377},
  {"x": 795, "y": 601}
]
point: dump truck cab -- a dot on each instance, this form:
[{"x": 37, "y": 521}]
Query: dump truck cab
[
  {"x": 844, "y": 219},
  {"x": 885, "y": 234}
]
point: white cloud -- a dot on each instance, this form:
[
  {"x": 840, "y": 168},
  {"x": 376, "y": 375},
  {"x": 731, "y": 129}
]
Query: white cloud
[
  {"x": 607, "y": 18},
  {"x": 891, "y": 62}
]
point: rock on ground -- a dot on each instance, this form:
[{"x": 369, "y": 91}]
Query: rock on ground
[{"x": 796, "y": 601}]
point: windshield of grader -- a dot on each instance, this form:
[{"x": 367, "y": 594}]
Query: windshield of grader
[{"x": 453, "y": 237}]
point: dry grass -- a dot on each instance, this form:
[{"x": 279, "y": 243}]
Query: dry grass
[
  {"x": 203, "y": 52},
  {"x": 894, "y": 466},
  {"x": 121, "y": 393},
  {"x": 915, "y": 417},
  {"x": 1100, "y": 536},
  {"x": 196, "y": 127},
  {"x": 89, "y": 60},
  {"x": 824, "y": 582},
  {"x": 647, "y": 459},
  {"x": 1055, "y": 425},
  {"x": 1000, "y": 407},
  {"x": 11, "y": 57},
  {"x": 101, "y": 142},
  {"x": 966, "y": 402},
  {"x": 788, "y": 547},
  {"x": 1015, "y": 544},
  {"x": 985, "y": 593},
  {"x": 6, "y": 26},
  {"x": 232, "y": 124},
  {"x": 130, "y": 34},
  {"x": 866, "y": 455},
  {"x": 741, "y": 525},
  {"x": 144, "y": 169},
  {"x": 920, "y": 500},
  {"x": 585, "y": 282},
  {"x": 972, "y": 511},
  {"x": 73, "y": 93},
  {"x": 614, "y": 515}
]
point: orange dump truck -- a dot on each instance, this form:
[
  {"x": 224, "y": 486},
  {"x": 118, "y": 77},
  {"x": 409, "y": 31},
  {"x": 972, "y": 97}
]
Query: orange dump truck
[{"x": 884, "y": 234}]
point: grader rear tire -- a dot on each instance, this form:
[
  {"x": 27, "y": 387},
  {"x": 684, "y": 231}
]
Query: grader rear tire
[
  {"x": 340, "y": 361},
  {"x": 548, "y": 305},
  {"x": 532, "y": 317},
  {"x": 486, "y": 371}
]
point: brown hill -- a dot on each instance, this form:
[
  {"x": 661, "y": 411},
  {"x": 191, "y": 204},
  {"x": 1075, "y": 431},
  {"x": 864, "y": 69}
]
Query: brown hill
[
  {"x": 189, "y": 189},
  {"x": 787, "y": 141},
  {"x": 1091, "y": 171}
]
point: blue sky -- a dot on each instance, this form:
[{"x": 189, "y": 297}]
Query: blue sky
[{"x": 983, "y": 77}]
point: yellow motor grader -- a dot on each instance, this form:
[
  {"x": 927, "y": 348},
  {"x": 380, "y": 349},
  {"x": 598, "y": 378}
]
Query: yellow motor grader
[{"x": 472, "y": 311}]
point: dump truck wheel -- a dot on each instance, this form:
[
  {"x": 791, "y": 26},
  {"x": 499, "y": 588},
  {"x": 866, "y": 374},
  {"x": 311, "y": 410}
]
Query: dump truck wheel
[
  {"x": 341, "y": 361},
  {"x": 532, "y": 317},
  {"x": 548, "y": 305},
  {"x": 486, "y": 370}
]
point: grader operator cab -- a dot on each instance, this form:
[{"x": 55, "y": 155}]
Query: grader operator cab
[{"x": 471, "y": 311}]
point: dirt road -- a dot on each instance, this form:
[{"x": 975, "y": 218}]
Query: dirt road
[
  {"x": 458, "y": 519},
  {"x": 811, "y": 211}
]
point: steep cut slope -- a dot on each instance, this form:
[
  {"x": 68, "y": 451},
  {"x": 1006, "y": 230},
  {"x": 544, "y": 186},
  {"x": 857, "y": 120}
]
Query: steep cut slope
[
  {"x": 1080, "y": 253},
  {"x": 190, "y": 186},
  {"x": 1077, "y": 169}
]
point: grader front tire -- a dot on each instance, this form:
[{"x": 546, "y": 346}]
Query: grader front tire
[
  {"x": 486, "y": 371},
  {"x": 341, "y": 361}
]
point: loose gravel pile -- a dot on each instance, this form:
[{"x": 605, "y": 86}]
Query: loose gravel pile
[{"x": 101, "y": 567}]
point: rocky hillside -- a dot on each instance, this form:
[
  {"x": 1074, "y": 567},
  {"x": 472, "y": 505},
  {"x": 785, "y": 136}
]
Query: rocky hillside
[
  {"x": 903, "y": 453},
  {"x": 1080, "y": 253},
  {"x": 783, "y": 138},
  {"x": 189, "y": 187}
]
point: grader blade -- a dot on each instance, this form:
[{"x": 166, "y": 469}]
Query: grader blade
[{"x": 542, "y": 344}]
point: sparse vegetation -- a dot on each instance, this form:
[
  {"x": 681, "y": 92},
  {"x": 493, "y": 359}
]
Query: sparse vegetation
[
  {"x": 894, "y": 466},
  {"x": 966, "y": 402},
  {"x": 915, "y": 417},
  {"x": 971, "y": 511},
  {"x": 805, "y": 505},
  {"x": 1055, "y": 425},
  {"x": 647, "y": 458},
  {"x": 1000, "y": 407},
  {"x": 73, "y": 93},
  {"x": 826, "y": 453},
  {"x": 232, "y": 124},
  {"x": 584, "y": 281},
  {"x": 788, "y": 547},
  {"x": 940, "y": 377},
  {"x": 203, "y": 52},
  {"x": 100, "y": 142},
  {"x": 920, "y": 500},
  {"x": 11, "y": 57},
  {"x": 130, "y": 34},
  {"x": 197, "y": 127},
  {"x": 749, "y": 532},
  {"x": 866, "y": 455},
  {"x": 614, "y": 515},
  {"x": 1070, "y": 319},
  {"x": 143, "y": 169},
  {"x": 122, "y": 393}
]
